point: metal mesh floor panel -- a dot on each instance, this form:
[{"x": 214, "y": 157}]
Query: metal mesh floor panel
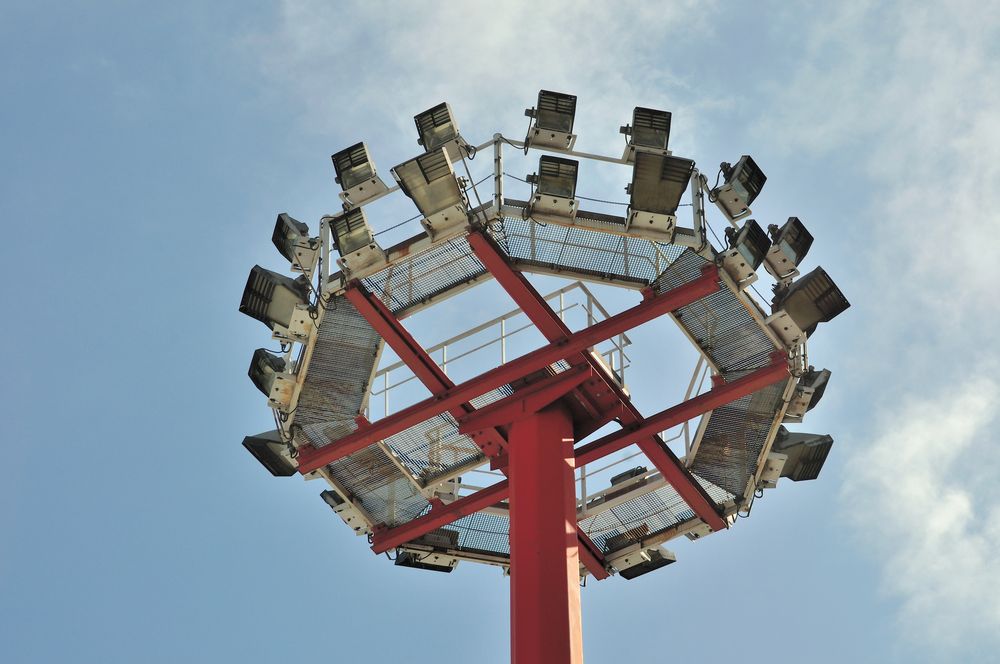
[
  {"x": 585, "y": 251},
  {"x": 643, "y": 516},
  {"x": 338, "y": 377},
  {"x": 424, "y": 275},
  {"x": 384, "y": 492},
  {"x": 434, "y": 449},
  {"x": 734, "y": 437},
  {"x": 483, "y": 532}
]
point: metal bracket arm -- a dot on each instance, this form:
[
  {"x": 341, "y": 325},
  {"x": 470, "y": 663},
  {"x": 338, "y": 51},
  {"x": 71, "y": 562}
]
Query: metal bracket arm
[
  {"x": 553, "y": 328},
  {"x": 527, "y": 401},
  {"x": 311, "y": 458}
]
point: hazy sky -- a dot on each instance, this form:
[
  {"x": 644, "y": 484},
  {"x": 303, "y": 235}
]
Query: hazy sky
[{"x": 146, "y": 149}]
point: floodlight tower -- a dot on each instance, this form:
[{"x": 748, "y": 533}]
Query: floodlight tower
[{"x": 532, "y": 420}]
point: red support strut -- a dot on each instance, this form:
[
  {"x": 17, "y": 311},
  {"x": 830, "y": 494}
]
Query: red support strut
[{"x": 544, "y": 561}]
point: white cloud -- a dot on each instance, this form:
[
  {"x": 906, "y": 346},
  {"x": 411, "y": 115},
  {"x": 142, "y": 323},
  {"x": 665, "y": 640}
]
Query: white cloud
[
  {"x": 908, "y": 495},
  {"x": 375, "y": 64},
  {"x": 909, "y": 92}
]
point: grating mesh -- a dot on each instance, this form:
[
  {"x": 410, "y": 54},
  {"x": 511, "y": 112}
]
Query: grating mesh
[
  {"x": 434, "y": 450},
  {"x": 484, "y": 533},
  {"x": 585, "y": 251},
  {"x": 375, "y": 481},
  {"x": 728, "y": 334},
  {"x": 643, "y": 516},
  {"x": 424, "y": 275},
  {"x": 735, "y": 436},
  {"x": 339, "y": 374}
]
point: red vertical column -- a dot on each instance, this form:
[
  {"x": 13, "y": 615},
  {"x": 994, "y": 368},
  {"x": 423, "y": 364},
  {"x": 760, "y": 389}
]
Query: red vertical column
[{"x": 544, "y": 561}]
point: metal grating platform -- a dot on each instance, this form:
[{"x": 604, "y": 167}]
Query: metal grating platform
[
  {"x": 416, "y": 279},
  {"x": 334, "y": 392},
  {"x": 584, "y": 252}
]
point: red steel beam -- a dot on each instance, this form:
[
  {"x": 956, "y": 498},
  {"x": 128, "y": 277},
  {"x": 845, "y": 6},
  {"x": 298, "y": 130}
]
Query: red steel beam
[
  {"x": 591, "y": 556},
  {"x": 719, "y": 396},
  {"x": 552, "y": 327},
  {"x": 311, "y": 458},
  {"x": 682, "y": 412},
  {"x": 526, "y": 401},
  {"x": 438, "y": 517},
  {"x": 545, "y": 622},
  {"x": 416, "y": 358}
]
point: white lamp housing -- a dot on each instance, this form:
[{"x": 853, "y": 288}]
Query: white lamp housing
[
  {"x": 353, "y": 238},
  {"x": 743, "y": 183},
  {"x": 291, "y": 238},
  {"x": 430, "y": 181},
  {"x": 437, "y": 128},
  {"x": 636, "y": 561},
  {"x": 649, "y": 132},
  {"x": 346, "y": 511},
  {"x": 280, "y": 302},
  {"x": 658, "y": 182},
  {"x": 789, "y": 247},
  {"x": 272, "y": 453},
  {"x": 356, "y": 175},
  {"x": 553, "y": 121},
  {"x": 745, "y": 253},
  {"x": 555, "y": 188},
  {"x": 268, "y": 373},
  {"x": 809, "y": 390},
  {"x": 810, "y": 300}
]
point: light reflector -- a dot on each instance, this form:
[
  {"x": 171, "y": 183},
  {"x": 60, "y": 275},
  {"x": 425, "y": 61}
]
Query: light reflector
[
  {"x": 789, "y": 247},
  {"x": 658, "y": 182},
  {"x": 435, "y": 127},
  {"x": 351, "y": 231},
  {"x": 746, "y": 251},
  {"x": 353, "y": 166},
  {"x": 553, "y": 120},
  {"x": 811, "y": 300},
  {"x": 272, "y": 453},
  {"x": 291, "y": 238},
  {"x": 557, "y": 177},
  {"x": 430, "y": 181},
  {"x": 742, "y": 186},
  {"x": 271, "y": 298},
  {"x": 650, "y": 129},
  {"x": 806, "y": 453}
]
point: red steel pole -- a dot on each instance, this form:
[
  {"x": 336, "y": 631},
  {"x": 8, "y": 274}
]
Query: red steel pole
[{"x": 545, "y": 622}]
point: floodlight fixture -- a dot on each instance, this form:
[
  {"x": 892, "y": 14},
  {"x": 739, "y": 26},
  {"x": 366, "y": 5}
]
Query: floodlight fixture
[
  {"x": 437, "y": 128},
  {"x": 745, "y": 253},
  {"x": 269, "y": 374},
  {"x": 810, "y": 300},
  {"x": 809, "y": 390},
  {"x": 555, "y": 188},
  {"x": 272, "y": 452},
  {"x": 658, "y": 182},
  {"x": 291, "y": 238},
  {"x": 648, "y": 132},
  {"x": 346, "y": 510},
  {"x": 789, "y": 247},
  {"x": 280, "y": 302},
  {"x": 431, "y": 182},
  {"x": 743, "y": 183},
  {"x": 553, "y": 121},
  {"x": 431, "y": 561},
  {"x": 641, "y": 561},
  {"x": 356, "y": 175},
  {"x": 804, "y": 453},
  {"x": 353, "y": 238}
]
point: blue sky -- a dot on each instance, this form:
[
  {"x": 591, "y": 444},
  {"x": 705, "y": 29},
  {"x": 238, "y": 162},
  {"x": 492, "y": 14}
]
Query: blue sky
[{"x": 146, "y": 151}]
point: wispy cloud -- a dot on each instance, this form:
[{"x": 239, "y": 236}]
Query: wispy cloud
[
  {"x": 377, "y": 63},
  {"x": 909, "y": 493},
  {"x": 908, "y": 92}
]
